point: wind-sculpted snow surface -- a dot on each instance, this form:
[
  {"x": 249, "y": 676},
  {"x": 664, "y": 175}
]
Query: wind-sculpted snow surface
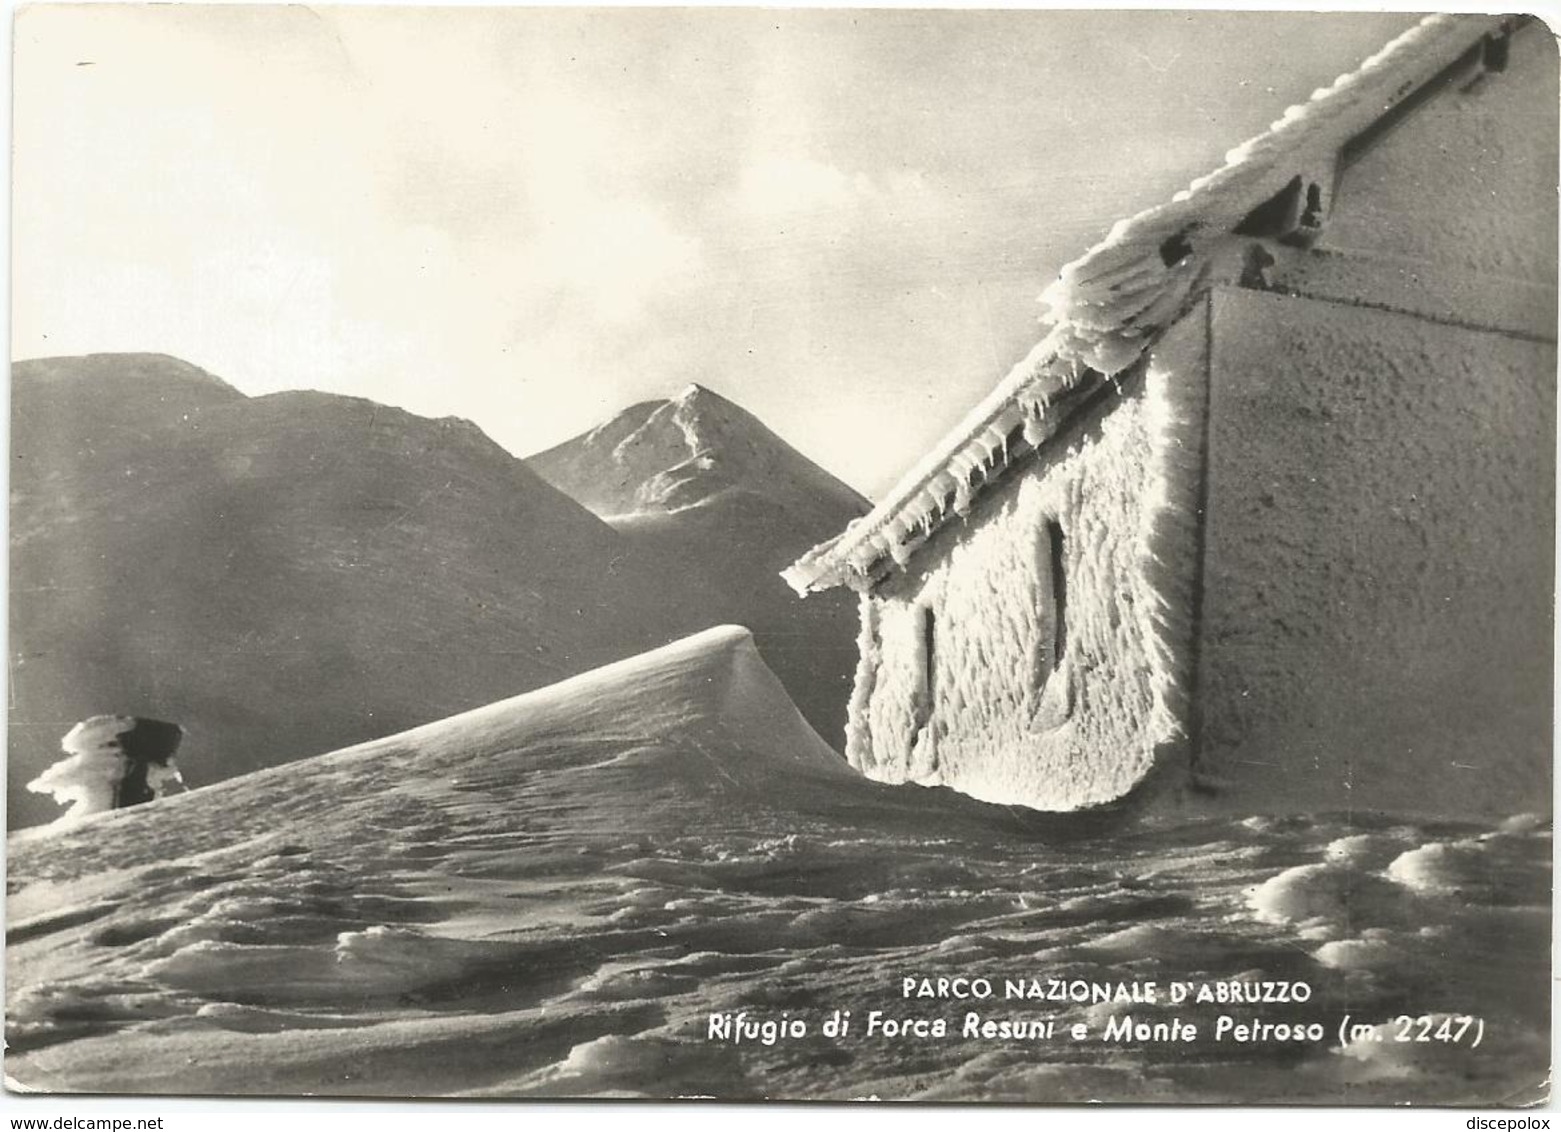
[{"x": 552, "y": 895}]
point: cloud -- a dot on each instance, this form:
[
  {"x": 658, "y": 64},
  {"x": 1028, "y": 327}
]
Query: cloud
[
  {"x": 780, "y": 186},
  {"x": 791, "y": 187},
  {"x": 614, "y": 257}
]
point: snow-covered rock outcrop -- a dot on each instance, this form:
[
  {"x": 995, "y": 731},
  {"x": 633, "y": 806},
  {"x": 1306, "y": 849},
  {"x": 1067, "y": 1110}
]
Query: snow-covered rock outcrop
[{"x": 112, "y": 762}]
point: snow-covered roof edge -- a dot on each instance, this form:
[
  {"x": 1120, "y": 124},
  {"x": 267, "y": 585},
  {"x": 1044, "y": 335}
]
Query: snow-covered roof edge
[{"x": 1108, "y": 306}]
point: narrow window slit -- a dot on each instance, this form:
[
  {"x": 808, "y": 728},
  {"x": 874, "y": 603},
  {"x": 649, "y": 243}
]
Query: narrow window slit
[
  {"x": 929, "y": 654},
  {"x": 1057, "y": 547}
]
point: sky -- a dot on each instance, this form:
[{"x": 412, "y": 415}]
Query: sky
[{"x": 533, "y": 218}]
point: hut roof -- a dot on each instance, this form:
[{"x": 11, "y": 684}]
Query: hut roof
[{"x": 1106, "y": 308}]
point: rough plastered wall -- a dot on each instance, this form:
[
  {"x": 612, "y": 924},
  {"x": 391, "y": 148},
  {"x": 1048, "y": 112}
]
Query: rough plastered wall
[
  {"x": 1379, "y": 561},
  {"x": 1452, "y": 211},
  {"x": 1379, "y": 572},
  {"x": 997, "y": 714}
]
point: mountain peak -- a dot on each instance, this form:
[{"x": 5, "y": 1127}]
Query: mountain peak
[
  {"x": 701, "y": 399},
  {"x": 660, "y": 457}
]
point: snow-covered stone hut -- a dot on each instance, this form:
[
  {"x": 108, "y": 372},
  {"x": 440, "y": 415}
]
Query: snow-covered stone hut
[{"x": 1268, "y": 514}]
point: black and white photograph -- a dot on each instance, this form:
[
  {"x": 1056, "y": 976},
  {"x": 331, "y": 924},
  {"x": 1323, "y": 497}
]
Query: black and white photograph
[{"x": 796, "y": 554}]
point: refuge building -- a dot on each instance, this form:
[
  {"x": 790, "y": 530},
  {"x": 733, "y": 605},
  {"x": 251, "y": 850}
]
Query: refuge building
[{"x": 1268, "y": 515}]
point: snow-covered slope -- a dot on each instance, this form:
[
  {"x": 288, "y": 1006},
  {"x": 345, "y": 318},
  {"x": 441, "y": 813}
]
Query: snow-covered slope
[
  {"x": 282, "y": 575},
  {"x": 716, "y": 504},
  {"x": 552, "y": 894}
]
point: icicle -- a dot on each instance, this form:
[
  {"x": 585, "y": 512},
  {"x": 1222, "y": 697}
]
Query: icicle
[{"x": 962, "y": 499}]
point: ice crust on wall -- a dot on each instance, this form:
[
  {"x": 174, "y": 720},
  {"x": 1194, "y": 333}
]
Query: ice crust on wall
[
  {"x": 1004, "y": 723},
  {"x": 984, "y": 733},
  {"x": 1107, "y": 306},
  {"x": 869, "y": 661}
]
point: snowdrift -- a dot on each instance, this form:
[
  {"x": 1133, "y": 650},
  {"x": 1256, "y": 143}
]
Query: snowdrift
[
  {"x": 703, "y": 710},
  {"x": 711, "y": 688}
]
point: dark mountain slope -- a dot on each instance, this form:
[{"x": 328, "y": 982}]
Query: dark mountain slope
[{"x": 283, "y": 574}]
